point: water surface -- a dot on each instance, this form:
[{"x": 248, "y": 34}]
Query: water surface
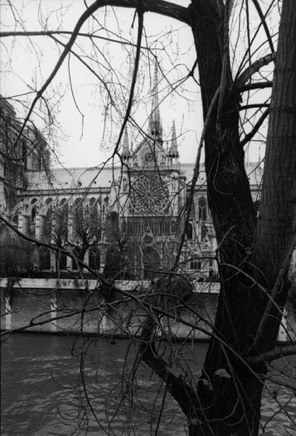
[{"x": 59, "y": 386}]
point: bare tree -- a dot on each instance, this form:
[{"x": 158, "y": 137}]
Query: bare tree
[{"x": 254, "y": 253}]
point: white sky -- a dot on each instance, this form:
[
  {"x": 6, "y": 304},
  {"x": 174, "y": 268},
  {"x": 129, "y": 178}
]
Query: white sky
[
  {"x": 87, "y": 141},
  {"x": 26, "y": 67}
]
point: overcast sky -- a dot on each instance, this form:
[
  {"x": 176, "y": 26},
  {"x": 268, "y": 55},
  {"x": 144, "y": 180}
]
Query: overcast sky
[
  {"x": 86, "y": 125},
  {"x": 85, "y": 140}
]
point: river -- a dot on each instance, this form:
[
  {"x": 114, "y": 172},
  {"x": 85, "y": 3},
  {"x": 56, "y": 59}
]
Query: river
[{"x": 42, "y": 393}]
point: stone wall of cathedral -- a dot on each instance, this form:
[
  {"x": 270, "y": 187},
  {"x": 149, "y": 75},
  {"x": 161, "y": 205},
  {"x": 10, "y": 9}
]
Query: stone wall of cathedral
[
  {"x": 126, "y": 221},
  {"x": 20, "y": 154}
]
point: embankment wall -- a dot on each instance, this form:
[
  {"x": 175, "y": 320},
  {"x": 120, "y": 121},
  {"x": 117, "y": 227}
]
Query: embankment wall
[{"x": 69, "y": 306}]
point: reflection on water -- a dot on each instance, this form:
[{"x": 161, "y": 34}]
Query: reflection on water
[{"x": 42, "y": 393}]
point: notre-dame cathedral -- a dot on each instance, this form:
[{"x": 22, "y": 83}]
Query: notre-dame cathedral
[{"x": 131, "y": 221}]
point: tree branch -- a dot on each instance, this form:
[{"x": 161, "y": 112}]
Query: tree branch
[
  {"x": 79, "y": 58},
  {"x": 255, "y": 129},
  {"x": 161, "y": 7},
  {"x": 269, "y": 356},
  {"x": 263, "y": 21},
  {"x": 257, "y": 85},
  {"x": 134, "y": 79},
  {"x": 252, "y": 69},
  {"x": 253, "y": 106},
  {"x": 168, "y": 9},
  {"x": 63, "y": 56},
  {"x": 52, "y": 33},
  {"x": 178, "y": 388}
]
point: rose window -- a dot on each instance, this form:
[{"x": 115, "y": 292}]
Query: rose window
[{"x": 149, "y": 195}]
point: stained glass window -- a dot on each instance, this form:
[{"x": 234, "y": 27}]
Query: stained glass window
[{"x": 149, "y": 195}]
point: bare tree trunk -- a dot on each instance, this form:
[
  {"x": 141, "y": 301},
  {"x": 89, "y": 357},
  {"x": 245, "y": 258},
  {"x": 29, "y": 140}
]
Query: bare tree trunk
[
  {"x": 251, "y": 253},
  {"x": 231, "y": 402},
  {"x": 229, "y": 392},
  {"x": 276, "y": 229}
]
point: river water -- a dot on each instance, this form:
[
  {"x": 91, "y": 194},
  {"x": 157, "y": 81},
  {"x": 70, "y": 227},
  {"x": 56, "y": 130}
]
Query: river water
[{"x": 43, "y": 392}]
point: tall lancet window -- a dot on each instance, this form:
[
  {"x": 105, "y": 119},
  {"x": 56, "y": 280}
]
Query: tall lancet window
[{"x": 202, "y": 209}]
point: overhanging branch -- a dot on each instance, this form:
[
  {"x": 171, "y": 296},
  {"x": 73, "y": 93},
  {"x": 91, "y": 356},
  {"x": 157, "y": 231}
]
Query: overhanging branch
[
  {"x": 252, "y": 69},
  {"x": 168, "y": 9},
  {"x": 160, "y": 7},
  {"x": 178, "y": 388},
  {"x": 53, "y": 33}
]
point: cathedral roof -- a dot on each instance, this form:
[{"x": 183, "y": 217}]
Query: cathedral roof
[{"x": 71, "y": 178}]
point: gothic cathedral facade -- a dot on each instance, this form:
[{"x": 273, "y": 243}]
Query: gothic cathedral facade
[{"x": 132, "y": 221}]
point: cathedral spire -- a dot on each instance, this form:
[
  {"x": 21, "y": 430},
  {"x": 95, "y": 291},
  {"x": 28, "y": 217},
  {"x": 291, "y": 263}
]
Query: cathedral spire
[
  {"x": 125, "y": 146},
  {"x": 155, "y": 127},
  {"x": 173, "y": 151}
]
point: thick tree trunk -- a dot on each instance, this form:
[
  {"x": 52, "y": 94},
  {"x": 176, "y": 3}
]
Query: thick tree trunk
[
  {"x": 231, "y": 396},
  {"x": 230, "y": 399},
  {"x": 276, "y": 229},
  {"x": 251, "y": 253}
]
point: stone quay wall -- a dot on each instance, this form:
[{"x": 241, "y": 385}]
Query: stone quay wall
[{"x": 70, "y": 306}]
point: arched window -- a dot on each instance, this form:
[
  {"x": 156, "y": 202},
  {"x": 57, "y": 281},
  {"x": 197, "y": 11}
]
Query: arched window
[
  {"x": 94, "y": 223},
  {"x": 78, "y": 221},
  {"x": 35, "y": 161},
  {"x": 202, "y": 209},
  {"x": 33, "y": 216},
  {"x": 189, "y": 231},
  {"x": 64, "y": 218},
  {"x": 94, "y": 258},
  {"x": 195, "y": 265},
  {"x": 204, "y": 232},
  {"x": 33, "y": 210}
]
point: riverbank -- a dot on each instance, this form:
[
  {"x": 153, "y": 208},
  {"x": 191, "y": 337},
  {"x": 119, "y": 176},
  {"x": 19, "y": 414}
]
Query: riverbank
[{"x": 70, "y": 306}]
